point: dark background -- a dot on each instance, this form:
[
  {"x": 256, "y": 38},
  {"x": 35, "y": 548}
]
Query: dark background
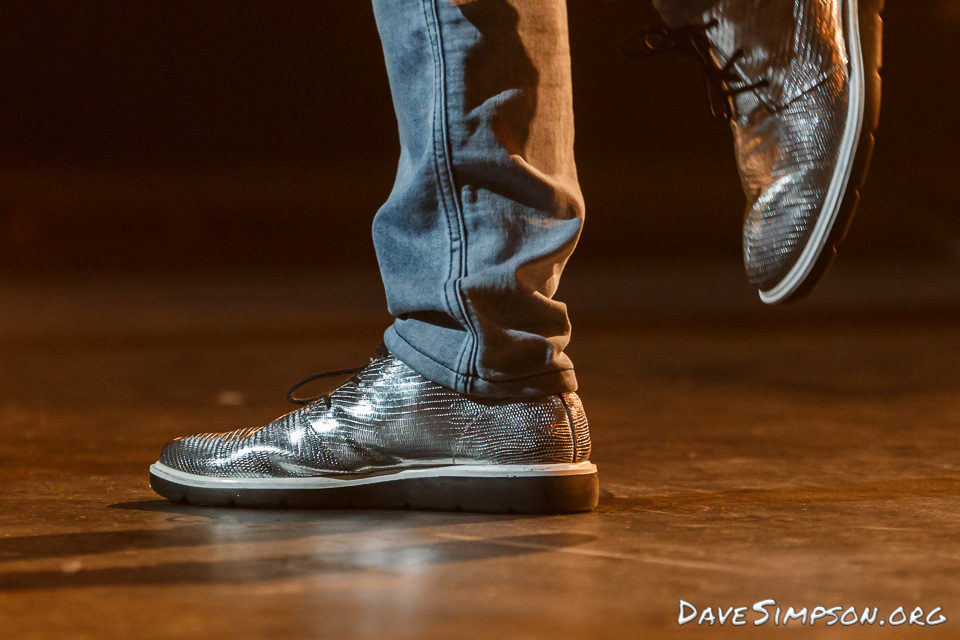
[
  {"x": 181, "y": 134},
  {"x": 186, "y": 191}
]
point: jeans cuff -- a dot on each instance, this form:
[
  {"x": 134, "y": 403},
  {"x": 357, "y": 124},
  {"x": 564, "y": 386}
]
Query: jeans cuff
[{"x": 547, "y": 383}]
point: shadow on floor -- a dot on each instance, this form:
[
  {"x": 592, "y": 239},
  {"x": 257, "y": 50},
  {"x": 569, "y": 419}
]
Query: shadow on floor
[
  {"x": 227, "y": 526},
  {"x": 253, "y": 570}
]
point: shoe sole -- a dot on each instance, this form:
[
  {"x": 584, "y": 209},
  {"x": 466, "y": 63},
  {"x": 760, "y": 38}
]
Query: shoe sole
[
  {"x": 546, "y": 488},
  {"x": 863, "y": 29}
]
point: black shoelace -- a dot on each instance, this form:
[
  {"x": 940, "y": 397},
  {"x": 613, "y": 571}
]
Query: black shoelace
[
  {"x": 721, "y": 83},
  {"x": 325, "y": 397}
]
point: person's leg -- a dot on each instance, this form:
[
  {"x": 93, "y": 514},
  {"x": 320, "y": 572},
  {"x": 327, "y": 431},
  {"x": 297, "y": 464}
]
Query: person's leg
[
  {"x": 483, "y": 216},
  {"x": 486, "y": 208}
]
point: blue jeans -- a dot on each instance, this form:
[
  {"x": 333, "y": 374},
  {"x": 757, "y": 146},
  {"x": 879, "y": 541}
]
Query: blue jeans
[{"x": 486, "y": 208}]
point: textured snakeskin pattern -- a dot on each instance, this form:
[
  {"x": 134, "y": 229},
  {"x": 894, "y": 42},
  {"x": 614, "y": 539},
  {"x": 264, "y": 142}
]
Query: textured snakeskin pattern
[
  {"x": 787, "y": 134},
  {"x": 389, "y": 417}
]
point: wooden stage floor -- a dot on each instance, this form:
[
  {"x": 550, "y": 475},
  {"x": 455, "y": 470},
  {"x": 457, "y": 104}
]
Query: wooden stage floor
[{"x": 809, "y": 455}]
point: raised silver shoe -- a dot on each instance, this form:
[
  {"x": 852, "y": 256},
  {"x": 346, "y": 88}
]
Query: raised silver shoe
[
  {"x": 799, "y": 82},
  {"x": 390, "y": 438}
]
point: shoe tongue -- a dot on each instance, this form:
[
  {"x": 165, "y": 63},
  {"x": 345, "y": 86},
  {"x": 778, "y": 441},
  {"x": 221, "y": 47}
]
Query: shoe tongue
[{"x": 792, "y": 44}]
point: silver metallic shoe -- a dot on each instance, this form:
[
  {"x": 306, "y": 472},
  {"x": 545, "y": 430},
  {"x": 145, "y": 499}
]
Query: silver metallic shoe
[
  {"x": 799, "y": 82},
  {"x": 389, "y": 438}
]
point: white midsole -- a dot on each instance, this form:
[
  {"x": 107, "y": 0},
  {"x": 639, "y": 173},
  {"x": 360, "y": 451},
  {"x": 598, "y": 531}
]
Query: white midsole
[
  {"x": 841, "y": 177},
  {"x": 329, "y": 482}
]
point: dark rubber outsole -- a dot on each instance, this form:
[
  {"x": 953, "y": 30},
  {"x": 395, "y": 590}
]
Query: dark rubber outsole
[
  {"x": 540, "y": 494},
  {"x": 871, "y": 38}
]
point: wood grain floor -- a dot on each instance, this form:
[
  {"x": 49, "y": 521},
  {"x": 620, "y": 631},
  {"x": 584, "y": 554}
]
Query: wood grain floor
[{"x": 808, "y": 455}]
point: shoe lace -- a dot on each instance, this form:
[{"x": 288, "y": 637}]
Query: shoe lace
[
  {"x": 325, "y": 397},
  {"x": 721, "y": 83}
]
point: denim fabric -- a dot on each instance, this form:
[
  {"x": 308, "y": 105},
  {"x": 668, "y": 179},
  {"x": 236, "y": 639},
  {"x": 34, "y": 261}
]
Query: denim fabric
[{"x": 486, "y": 208}]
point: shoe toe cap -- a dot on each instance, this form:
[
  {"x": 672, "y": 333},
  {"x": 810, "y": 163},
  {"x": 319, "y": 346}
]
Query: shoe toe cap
[
  {"x": 777, "y": 227},
  {"x": 787, "y": 164},
  {"x": 213, "y": 454}
]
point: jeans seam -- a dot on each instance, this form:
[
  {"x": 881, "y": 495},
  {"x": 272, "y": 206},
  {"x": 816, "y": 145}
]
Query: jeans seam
[
  {"x": 436, "y": 163},
  {"x": 445, "y": 181}
]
